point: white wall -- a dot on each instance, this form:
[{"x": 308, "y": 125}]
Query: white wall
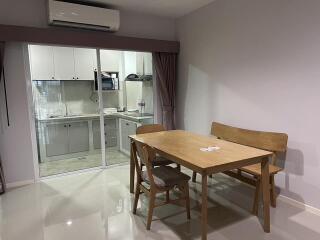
[
  {"x": 255, "y": 64},
  {"x": 15, "y": 141}
]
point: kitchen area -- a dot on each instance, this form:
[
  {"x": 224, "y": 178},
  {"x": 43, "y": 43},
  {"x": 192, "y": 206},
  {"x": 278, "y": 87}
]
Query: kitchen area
[{"x": 84, "y": 97}]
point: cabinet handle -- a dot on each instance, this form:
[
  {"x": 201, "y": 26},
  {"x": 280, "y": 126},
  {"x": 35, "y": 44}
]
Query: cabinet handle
[
  {"x": 77, "y": 78},
  {"x": 69, "y": 125},
  {"x": 52, "y": 78},
  {"x": 65, "y": 125},
  {"x": 73, "y": 78},
  {"x": 127, "y": 124}
]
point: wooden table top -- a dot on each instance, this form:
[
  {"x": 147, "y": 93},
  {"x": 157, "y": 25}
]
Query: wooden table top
[{"x": 184, "y": 148}]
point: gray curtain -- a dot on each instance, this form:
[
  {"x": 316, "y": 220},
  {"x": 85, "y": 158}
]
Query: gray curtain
[
  {"x": 2, "y": 44},
  {"x": 165, "y": 65},
  {"x": 2, "y": 78},
  {"x": 2, "y": 181}
]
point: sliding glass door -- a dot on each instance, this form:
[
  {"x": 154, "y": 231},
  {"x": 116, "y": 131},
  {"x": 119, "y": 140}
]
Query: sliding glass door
[
  {"x": 127, "y": 97},
  {"x": 65, "y": 108},
  {"x": 86, "y": 104}
]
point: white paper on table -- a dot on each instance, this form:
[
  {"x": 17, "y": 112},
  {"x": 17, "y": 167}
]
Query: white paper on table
[{"x": 210, "y": 149}]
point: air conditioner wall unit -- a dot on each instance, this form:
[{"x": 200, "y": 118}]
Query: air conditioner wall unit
[{"x": 83, "y": 16}]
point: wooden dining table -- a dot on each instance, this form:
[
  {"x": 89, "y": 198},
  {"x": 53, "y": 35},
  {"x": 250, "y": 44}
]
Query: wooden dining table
[{"x": 188, "y": 150}]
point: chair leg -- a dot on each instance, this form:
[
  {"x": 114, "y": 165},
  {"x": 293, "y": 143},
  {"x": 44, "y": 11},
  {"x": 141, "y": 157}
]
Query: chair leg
[
  {"x": 194, "y": 176},
  {"x": 256, "y": 198},
  {"x": 273, "y": 200},
  {"x": 136, "y": 198},
  {"x": 179, "y": 167},
  {"x": 186, "y": 194},
  {"x": 151, "y": 207},
  {"x": 167, "y": 196}
]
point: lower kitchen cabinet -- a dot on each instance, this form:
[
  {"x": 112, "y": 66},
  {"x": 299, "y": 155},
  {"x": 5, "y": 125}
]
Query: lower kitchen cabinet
[
  {"x": 56, "y": 139},
  {"x": 96, "y": 134},
  {"x": 127, "y": 128},
  {"x": 66, "y": 138},
  {"x": 78, "y": 137},
  {"x": 110, "y": 132}
]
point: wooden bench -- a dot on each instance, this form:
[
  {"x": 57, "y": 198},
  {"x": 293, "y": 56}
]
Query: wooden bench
[{"x": 270, "y": 141}]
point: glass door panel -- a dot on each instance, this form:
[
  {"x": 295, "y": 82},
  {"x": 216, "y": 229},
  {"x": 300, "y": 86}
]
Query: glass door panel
[
  {"x": 65, "y": 109},
  {"x": 127, "y": 103}
]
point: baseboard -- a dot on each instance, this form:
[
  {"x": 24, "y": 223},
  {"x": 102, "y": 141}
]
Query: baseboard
[
  {"x": 19, "y": 183},
  {"x": 300, "y": 205}
]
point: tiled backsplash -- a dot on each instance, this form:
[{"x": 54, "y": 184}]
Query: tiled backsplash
[
  {"x": 75, "y": 97},
  {"x": 56, "y": 98}
]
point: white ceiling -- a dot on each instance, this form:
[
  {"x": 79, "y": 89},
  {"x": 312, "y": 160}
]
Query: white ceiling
[{"x": 164, "y": 8}]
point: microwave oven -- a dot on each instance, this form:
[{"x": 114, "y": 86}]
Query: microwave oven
[{"x": 109, "y": 80}]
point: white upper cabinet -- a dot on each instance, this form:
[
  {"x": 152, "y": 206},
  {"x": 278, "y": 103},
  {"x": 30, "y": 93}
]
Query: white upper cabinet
[
  {"x": 110, "y": 60},
  {"x": 41, "y": 60},
  {"x": 84, "y": 63},
  {"x": 139, "y": 66},
  {"x": 147, "y": 63},
  {"x": 130, "y": 63},
  {"x": 63, "y": 63},
  {"x": 137, "y": 63}
]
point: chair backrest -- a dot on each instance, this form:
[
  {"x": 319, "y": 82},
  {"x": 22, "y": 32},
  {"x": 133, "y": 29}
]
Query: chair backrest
[
  {"x": 146, "y": 155},
  {"x": 270, "y": 141},
  {"x": 150, "y": 128}
]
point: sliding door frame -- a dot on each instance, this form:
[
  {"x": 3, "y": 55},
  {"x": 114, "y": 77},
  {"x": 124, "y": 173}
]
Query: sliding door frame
[
  {"x": 35, "y": 149},
  {"x": 103, "y": 137},
  {"x": 104, "y": 163}
]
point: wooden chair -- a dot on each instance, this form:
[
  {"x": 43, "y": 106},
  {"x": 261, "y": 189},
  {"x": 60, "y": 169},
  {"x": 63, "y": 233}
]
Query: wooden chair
[
  {"x": 157, "y": 180},
  {"x": 270, "y": 141},
  {"x": 150, "y": 128}
]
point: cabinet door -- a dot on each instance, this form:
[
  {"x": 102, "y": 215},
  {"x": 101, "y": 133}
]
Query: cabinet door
[
  {"x": 147, "y": 63},
  {"x": 130, "y": 63},
  {"x": 132, "y": 128},
  {"x": 78, "y": 137},
  {"x": 84, "y": 63},
  {"x": 63, "y": 63},
  {"x": 96, "y": 134},
  {"x": 127, "y": 128},
  {"x": 110, "y": 60},
  {"x": 124, "y": 135},
  {"x": 56, "y": 139},
  {"x": 139, "y": 63},
  {"x": 111, "y": 132},
  {"x": 41, "y": 61}
]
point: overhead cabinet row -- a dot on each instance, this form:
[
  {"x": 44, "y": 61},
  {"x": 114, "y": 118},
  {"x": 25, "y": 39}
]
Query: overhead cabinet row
[
  {"x": 68, "y": 63},
  {"x": 61, "y": 63}
]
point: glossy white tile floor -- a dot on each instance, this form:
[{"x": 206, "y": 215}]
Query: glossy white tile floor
[{"x": 97, "y": 205}]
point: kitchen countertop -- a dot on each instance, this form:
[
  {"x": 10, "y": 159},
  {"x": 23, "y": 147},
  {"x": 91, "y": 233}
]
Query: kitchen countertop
[{"x": 128, "y": 116}]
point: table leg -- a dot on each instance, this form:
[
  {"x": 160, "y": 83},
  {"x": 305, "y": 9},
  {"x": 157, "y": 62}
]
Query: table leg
[
  {"x": 265, "y": 176},
  {"x": 132, "y": 169},
  {"x": 204, "y": 207}
]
